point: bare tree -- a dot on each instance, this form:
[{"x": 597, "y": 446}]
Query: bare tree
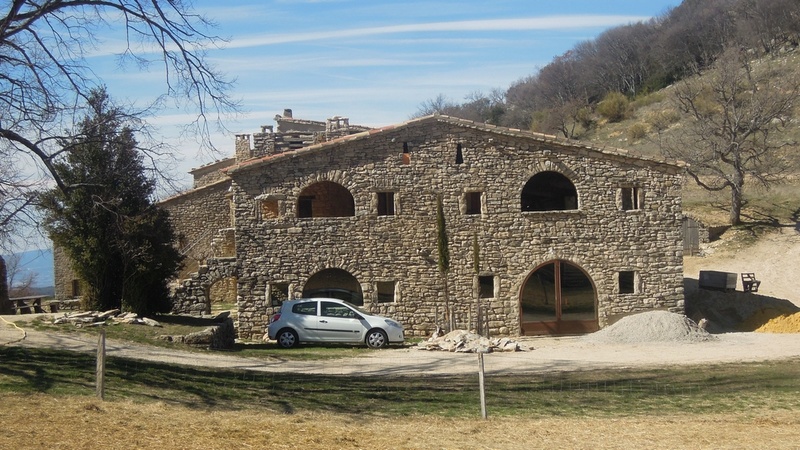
[
  {"x": 769, "y": 25},
  {"x": 20, "y": 281},
  {"x": 438, "y": 105},
  {"x": 44, "y": 73},
  {"x": 732, "y": 135}
]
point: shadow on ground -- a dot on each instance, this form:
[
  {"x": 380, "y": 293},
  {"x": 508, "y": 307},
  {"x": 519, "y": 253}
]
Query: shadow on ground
[{"x": 728, "y": 311}]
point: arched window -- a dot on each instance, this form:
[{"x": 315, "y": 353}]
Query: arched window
[
  {"x": 334, "y": 283},
  {"x": 325, "y": 199},
  {"x": 549, "y": 191}
]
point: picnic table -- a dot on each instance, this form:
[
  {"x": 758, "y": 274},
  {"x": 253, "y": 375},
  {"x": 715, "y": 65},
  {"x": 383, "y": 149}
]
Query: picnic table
[{"x": 29, "y": 304}]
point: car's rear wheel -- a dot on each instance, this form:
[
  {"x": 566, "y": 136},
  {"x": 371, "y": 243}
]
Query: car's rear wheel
[
  {"x": 287, "y": 338},
  {"x": 377, "y": 339}
]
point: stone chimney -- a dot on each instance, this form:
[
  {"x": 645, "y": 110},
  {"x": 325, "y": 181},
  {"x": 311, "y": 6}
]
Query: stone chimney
[
  {"x": 243, "y": 150},
  {"x": 287, "y": 113}
]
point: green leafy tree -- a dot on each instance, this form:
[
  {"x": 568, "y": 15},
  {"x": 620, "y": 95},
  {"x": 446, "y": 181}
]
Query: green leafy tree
[{"x": 119, "y": 241}]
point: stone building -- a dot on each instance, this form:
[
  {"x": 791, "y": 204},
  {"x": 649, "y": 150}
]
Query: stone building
[{"x": 544, "y": 235}]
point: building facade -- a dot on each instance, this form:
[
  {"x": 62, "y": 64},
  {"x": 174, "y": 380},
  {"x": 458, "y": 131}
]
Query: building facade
[{"x": 543, "y": 235}]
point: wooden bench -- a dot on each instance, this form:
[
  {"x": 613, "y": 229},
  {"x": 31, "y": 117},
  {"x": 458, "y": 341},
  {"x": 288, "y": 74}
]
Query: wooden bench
[{"x": 749, "y": 282}]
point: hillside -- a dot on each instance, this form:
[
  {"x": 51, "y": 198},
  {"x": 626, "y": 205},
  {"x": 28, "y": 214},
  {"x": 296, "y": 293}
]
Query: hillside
[{"x": 764, "y": 208}]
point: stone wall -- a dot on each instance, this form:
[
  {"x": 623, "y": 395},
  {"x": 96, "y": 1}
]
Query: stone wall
[
  {"x": 197, "y": 217},
  {"x": 64, "y": 277},
  {"x": 417, "y": 162},
  {"x": 193, "y": 295}
]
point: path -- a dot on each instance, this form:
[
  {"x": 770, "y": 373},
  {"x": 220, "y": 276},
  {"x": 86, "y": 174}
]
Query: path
[{"x": 548, "y": 354}]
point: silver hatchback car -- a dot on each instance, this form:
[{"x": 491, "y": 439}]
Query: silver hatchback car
[{"x": 331, "y": 320}]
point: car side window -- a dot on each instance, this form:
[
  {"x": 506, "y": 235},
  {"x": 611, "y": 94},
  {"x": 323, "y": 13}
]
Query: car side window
[
  {"x": 330, "y": 309},
  {"x": 307, "y": 308}
]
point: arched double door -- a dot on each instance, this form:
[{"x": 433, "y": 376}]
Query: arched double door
[{"x": 558, "y": 298}]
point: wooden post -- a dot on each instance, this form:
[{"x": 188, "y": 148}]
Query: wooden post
[
  {"x": 101, "y": 365},
  {"x": 481, "y": 381}
]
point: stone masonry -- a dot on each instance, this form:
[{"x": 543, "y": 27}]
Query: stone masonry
[
  {"x": 333, "y": 207},
  {"x": 282, "y": 244}
]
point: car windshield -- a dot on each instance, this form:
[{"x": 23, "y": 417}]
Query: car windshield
[{"x": 356, "y": 308}]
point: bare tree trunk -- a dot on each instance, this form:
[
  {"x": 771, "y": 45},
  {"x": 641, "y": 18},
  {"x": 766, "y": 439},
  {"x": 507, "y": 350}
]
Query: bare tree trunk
[
  {"x": 5, "y": 304},
  {"x": 736, "y": 207}
]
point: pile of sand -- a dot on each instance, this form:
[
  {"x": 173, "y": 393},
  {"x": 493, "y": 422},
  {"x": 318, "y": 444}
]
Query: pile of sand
[
  {"x": 784, "y": 323},
  {"x": 651, "y": 326}
]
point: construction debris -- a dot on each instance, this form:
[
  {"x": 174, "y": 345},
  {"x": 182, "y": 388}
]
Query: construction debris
[
  {"x": 462, "y": 341},
  {"x": 98, "y": 318}
]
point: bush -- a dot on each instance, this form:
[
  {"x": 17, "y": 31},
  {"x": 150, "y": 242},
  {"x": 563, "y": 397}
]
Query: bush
[
  {"x": 661, "y": 120},
  {"x": 648, "y": 99},
  {"x": 614, "y": 107},
  {"x": 637, "y": 131}
]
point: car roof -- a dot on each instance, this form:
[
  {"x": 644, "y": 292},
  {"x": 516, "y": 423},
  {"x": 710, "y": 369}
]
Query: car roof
[{"x": 310, "y": 299}]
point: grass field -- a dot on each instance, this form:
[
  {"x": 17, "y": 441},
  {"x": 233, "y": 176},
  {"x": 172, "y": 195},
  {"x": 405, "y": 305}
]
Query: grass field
[{"x": 48, "y": 402}]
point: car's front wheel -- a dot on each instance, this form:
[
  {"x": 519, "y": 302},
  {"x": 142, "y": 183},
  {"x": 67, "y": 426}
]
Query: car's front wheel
[
  {"x": 287, "y": 338},
  {"x": 377, "y": 339}
]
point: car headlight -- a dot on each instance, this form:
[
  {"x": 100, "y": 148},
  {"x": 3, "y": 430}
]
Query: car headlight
[{"x": 392, "y": 323}]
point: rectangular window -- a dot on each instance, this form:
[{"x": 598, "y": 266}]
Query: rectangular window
[
  {"x": 630, "y": 198},
  {"x": 304, "y": 208},
  {"x": 386, "y": 291},
  {"x": 472, "y": 202},
  {"x": 627, "y": 282},
  {"x": 76, "y": 288},
  {"x": 486, "y": 286},
  {"x": 269, "y": 209},
  {"x": 278, "y": 293},
  {"x": 385, "y": 203}
]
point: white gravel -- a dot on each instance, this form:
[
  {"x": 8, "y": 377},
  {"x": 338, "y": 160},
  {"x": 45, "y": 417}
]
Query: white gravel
[{"x": 651, "y": 326}]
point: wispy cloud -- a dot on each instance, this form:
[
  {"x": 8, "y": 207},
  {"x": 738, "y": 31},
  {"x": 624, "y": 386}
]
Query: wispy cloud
[{"x": 529, "y": 23}]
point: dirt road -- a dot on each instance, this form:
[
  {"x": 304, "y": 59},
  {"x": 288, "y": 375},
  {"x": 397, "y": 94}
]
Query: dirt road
[{"x": 545, "y": 354}]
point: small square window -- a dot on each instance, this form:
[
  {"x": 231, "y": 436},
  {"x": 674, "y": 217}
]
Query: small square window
[
  {"x": 386, "y": 291},
  {"x": 278, "y": 293},
  {"x": 486, "y": 286},
  {"x": 630, "y": 198},
  {"x": 269, "y": 209},
  {"x": 472, "y": 202},
  {"x": 385, "y": 203},
  {"x": 627, "y": 282}
]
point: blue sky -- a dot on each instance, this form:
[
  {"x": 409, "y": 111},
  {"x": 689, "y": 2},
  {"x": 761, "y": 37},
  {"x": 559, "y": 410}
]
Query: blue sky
[{"x": 372, "y": 61}]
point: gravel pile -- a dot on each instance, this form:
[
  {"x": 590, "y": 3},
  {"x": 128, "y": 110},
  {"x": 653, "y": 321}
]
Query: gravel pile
[{"x": 651, "y": 326}]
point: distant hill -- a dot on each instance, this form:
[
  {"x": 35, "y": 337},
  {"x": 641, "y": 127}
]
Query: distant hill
[{"x": 39, "y": 262}]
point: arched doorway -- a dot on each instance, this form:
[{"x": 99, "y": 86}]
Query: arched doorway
[
  {"x": 558, "y": 298},
  {"x": 334, "y": 283}
]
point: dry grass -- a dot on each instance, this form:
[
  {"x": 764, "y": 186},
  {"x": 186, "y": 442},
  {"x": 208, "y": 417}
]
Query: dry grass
[{"x": 69, "y": 422}]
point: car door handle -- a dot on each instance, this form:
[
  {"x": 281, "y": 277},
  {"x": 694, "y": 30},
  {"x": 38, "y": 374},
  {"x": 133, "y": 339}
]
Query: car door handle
[{"x": 323, "y": 321}]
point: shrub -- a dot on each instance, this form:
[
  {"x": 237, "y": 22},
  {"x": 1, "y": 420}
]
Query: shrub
[
  {"x": 661, "y": 120},
  {"x": 637, "y": 131},
  {"x": 614, "y": 107}
]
